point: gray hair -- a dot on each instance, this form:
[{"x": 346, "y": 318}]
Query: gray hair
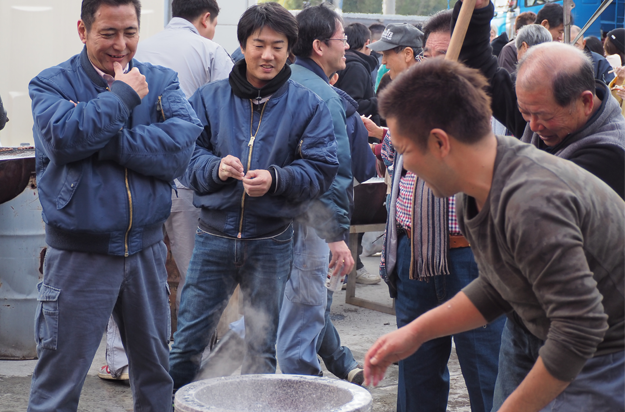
[{"x": 532, "y": 34}]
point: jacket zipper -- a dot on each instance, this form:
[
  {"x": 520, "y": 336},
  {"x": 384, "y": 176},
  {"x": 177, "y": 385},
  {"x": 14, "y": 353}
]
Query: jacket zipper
[
  {"x": 130, "y": 210},
  {"x": 250, "y": 144}
]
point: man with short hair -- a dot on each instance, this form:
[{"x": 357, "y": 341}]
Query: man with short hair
[
  {"x": 425, "y": 262},
  {"x": 355, "y": 79},
  {"x": 508, "y": 56},
  {"x": 548, "y": 237},
  {"x": 551, "y": 17},
  {"x": 529, "y": 36},
  {"x": 320, "y": 51},
  {"x": 266, "y": 152},
  {"x": 185, "y": 46},
  {"x": 108, "y": 149}
]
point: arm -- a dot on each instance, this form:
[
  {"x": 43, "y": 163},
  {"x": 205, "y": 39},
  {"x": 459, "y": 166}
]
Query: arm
[
  {"x": 476, "y": 53},
  {"x": 455, "y": 316}
]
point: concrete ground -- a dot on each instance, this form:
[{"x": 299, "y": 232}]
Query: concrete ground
[{"x": 358, "y": 327}]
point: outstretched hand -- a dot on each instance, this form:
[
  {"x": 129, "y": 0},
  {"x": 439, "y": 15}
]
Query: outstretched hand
[
  {"x": 388, "y": 349},
  {"x": 133, "y": 78}
]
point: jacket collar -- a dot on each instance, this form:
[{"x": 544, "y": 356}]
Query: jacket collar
[
  {"x": 311, "y": 65},
  {"x": 91, "y": 72},
  {"x": 180, "y": 23}
]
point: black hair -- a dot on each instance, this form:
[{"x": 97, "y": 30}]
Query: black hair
[
  {"x": 272, "y": 15},
  {"x": 438, "y": 23},
  {"x": 357, "y": 35},
  {"x": 553, "y": 13},
  {"x": 376, "y": 28},
  {"x": 594, "y": 44},
  {"x": 192, "y": 9},
  {"x": 568, "y": 85},
  {"x": 90, "y": 7},
  {"x": 315, "y": 23}
]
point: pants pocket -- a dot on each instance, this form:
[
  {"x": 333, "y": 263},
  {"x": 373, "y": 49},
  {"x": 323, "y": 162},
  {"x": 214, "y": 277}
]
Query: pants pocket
[
  {"x": 47, "y": 317},
  {"x": 307, "y": 282}
]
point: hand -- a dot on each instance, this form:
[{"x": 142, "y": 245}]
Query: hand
[
  {"x": 390, "y": 348},
  {"x": 257, "y": 182},
  {"x": 133, "y": 78},
  {"x": 619, "y": 72},
  {"x": 620, "y": 91},
  {"x": 230, "y": 166},
  {"x": 373, "y": 129},
  {"x": 342, "y": 261}
]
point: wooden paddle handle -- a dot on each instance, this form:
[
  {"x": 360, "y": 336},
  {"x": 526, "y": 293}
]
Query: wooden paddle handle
[{"x": 462, "y": 24}]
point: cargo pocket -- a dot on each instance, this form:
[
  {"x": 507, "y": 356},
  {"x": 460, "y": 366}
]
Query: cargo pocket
[
  {"x": 47, "y": 317},
  {"x": 307, "y": 282}
]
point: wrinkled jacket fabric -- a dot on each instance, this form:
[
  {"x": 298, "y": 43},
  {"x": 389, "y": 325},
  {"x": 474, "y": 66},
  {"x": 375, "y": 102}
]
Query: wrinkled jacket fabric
[
  {"x": 105, "y": 165},
  {"x": 293, "y": 136},
  {"x": 355, "y": 80}
]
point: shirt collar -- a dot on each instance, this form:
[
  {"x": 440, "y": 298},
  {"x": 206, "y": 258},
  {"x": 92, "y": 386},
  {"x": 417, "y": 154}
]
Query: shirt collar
[
  {"x": 107, "y": 77},
  {"x": 180, "y": 23}
]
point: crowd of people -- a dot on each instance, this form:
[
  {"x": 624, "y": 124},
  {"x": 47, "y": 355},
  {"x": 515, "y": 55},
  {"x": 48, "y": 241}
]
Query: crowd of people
[{"x": 509, "y": 244}]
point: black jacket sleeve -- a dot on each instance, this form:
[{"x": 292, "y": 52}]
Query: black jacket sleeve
[{"x": 476, "y": 53}]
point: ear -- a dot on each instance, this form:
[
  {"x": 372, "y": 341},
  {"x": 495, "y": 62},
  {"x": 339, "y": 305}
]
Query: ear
[
  {"x": 588, "y": 100},
  {"x": 545, "y": 24},
  {"x": 408, "y": 55},
  {"x": 368, "y": 42},
  {"x": 205, "y": 19},
  {"x": 318, "y": 46},
  {"x": 82, "y": 31},
  {"x": 439, "y": 143}
]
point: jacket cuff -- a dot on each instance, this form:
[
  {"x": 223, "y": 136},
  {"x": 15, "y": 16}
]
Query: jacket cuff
[
  {"x": 274, "y": 180},
  {"x": 126, "y": 93},
  {"x": 338, "y": 237}
]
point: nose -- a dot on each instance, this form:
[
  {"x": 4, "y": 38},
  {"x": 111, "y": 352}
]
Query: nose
[
  {"x": 535, "y": 124},
  {"x": 383, "y": 59},
  {"x": 267, "y": 55},
  {"x": 119, "y": 43},
  {"x": 346, "y": 45}
]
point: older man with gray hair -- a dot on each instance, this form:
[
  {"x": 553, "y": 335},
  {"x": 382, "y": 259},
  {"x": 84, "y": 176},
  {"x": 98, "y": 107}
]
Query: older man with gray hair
[{"x": 529, "y": 36}]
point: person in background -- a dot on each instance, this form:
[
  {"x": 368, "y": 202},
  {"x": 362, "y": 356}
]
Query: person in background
[
  {"x": 614, "y": 46},
  {"x": 185, "y": 46},
  {"x": 595, "y": 45},
  {"x": 508, "y": 56},
  {"x": 601, "y": 67},
  {"x": 376, "y": 30},
  {"x": 497, "y": 42},
  {"x": 426, "y": 261},
  {"x": 111, "y": 134},
  {"x": 551, "y": 17},
  {"x": 527, "y": 37},
  {"x": 258, "y": 164}
]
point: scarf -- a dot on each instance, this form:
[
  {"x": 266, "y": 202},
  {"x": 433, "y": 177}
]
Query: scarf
[{"x": 243, "y": 89}]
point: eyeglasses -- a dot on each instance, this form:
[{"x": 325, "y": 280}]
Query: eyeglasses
[{"x": 344, "y": 40}]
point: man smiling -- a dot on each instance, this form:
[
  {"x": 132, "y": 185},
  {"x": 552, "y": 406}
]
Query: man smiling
[
  {"x": 107, "y": 152},
  {"x": 267, "y": 150}
]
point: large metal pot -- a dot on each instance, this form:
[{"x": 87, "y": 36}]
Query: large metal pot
[{"x": 273, "y": 393}]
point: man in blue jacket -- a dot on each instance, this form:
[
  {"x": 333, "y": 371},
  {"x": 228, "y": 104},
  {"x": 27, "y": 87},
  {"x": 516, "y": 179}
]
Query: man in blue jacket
[
  {"x": 267, "y": 151},
  {"x": 320, "y": 51},
  {"x": 107, "y": 152}
]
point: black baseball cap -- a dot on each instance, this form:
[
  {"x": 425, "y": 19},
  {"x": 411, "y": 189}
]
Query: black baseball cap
[{"x": 395, "y": 35}]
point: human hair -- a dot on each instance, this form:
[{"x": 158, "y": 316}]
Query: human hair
[
  {"x": 532, "y": 34},
  {"x": 594, "y": 44},
  {"x": 438, "y": 93},
  {"x": 376, "y": 30},
  {"x": 438, "y": 23},
  {"x": 89, "y": 8},
  {"x": 192, "y": 9},
  {"x": 315, "y": 23},
  {"x": 524, "y": 19},
  {"x": 271, "y": 15},
  {"x": 553, "y": 13},
  {"x": 613, "y": 47},
  {"x": 570, "y": 70},
  {"x": 357, "y": 35}
]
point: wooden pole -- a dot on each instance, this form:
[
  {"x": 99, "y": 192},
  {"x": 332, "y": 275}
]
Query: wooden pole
[{"x": 457, "y": 38}]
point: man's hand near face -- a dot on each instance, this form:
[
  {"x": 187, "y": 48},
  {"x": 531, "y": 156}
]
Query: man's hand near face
[{"x": 133, "y": 78}]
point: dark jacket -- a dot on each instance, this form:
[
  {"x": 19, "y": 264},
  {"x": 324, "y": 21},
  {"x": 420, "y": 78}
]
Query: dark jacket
[
  {"x": 498, "y": 43},
  {"x": 605, "y": 158},
  {"x": 600, "y": 66},
  {"x": 106, "y": 165},
  {"x": 293, "y": 135},
  {"x": 355, "y": 80}
]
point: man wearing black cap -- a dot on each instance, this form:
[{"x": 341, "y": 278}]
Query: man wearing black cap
[{"x": 400, "y": 45}]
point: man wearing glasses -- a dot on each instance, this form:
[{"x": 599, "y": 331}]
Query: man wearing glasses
[{"x": 320, "y": 51}]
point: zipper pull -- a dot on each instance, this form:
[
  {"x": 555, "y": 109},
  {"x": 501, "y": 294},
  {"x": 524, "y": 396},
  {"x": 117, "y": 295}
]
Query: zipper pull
[{"x": 251, "y": 143}]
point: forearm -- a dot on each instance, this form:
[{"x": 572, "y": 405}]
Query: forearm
[{"x": 537, "y": 389}]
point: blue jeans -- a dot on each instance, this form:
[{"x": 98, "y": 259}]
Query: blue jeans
[
  {"x": 338, "y": 359},
  {"x": 261, "y": 267},
  {"x": 424, "y": 377},
  {"x": 598, "y": 387},
  {"x": 302, "y": 314},
  {"x": 78, "y": 293}
]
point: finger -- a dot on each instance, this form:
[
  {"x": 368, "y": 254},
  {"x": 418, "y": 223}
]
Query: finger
[{"x": 119, "y": 70}]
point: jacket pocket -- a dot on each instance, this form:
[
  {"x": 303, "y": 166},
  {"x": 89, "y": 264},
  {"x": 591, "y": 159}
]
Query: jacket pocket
[
  {"x": 47, "y": 317},
  {"x": 73, "y": 175}
]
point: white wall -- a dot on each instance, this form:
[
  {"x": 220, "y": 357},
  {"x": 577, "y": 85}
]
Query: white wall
[
  {"x": 35, "y": 35},
  {"x": 229, "y": 14}
]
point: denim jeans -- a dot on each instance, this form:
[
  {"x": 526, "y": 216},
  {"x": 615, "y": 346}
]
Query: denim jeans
[
  {"x": 424, "y": 377},
  {"x": 261, "y": 267},
  {"x": 338, "y": 359},
  {"x": 598, "y": 387},
  {"x": 78, "y": 293},
  {"x": 302, "y": 315}
]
